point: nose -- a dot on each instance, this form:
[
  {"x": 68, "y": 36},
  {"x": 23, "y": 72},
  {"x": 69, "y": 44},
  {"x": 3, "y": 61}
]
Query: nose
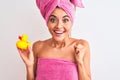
[{"x": 59, "y": 25}]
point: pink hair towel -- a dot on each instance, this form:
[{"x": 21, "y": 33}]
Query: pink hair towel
[
  {"x": 56, "y": 69},
  {"x": 47, "y": 6}
]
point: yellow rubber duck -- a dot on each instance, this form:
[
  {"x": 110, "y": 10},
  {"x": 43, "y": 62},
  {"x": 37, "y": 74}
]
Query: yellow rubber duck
[{"x": 23, "y": 43}]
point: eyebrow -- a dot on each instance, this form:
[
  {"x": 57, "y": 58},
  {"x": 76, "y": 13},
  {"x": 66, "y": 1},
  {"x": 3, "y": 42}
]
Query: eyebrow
[
  {"x": 52, "y": 16},
  {"x": 66, "y": 16},
  {"x": 56, "y": 16}
]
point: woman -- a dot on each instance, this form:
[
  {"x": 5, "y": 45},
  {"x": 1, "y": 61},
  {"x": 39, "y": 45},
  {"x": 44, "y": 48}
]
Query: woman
[{"x": 60, "y": 57}]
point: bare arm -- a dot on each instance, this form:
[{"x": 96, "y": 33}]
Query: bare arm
[
  {"x": 30, "y": 62},
  {"x": 83, "y": 60},
  {"x": 30, "y": 73},
  {"x": 31, "y": 69}
]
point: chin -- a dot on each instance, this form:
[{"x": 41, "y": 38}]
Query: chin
[{"x": 59, "y": 39}]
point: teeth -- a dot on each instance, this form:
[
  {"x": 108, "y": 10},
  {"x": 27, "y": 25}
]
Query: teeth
[{"x": 59, "y": 32}]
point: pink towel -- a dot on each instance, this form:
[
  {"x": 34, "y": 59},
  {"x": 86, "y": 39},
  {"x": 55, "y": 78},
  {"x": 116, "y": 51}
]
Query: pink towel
[
  {"x": 47, "y": 6},
  {"x": 56, "y": 69}
]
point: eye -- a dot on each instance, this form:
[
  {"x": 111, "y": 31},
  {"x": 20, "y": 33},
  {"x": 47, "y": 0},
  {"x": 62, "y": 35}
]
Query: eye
[
  {"x": 52, "y": 20},
  {"x": 65, "y": 20}
]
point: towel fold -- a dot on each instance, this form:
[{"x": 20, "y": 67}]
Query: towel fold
[
  {"x": 56, "y": 69},
  {"x": 47, "y": 6}
]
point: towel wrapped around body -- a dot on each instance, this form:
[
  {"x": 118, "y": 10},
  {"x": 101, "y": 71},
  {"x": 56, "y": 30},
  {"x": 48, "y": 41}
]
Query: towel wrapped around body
[{"x": 56, "y": 69}]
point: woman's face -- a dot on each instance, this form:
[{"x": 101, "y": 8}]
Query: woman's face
[{"x": 59, "y": 24}]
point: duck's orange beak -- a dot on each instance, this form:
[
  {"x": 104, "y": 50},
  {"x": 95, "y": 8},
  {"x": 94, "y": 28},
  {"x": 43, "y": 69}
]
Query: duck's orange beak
[{"x": 20, "y": 37}]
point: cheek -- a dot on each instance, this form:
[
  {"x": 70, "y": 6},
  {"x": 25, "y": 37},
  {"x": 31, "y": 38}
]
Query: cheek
[
  {"x": 68, "y": 27},
  {"x": 51, "y": 25},
  {"x": 69, "y": 24},
  {"x": 50, "y": 28}
]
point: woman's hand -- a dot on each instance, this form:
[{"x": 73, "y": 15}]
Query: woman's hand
[
  {"x": 82, "y": 56},
  {"x": 82, "y": 51},
  {"x": 27, "y": 56},
  {"x": 79, "y": 52}
]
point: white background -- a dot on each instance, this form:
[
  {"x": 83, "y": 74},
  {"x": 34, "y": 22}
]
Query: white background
[{"x": 98, "y": 23}]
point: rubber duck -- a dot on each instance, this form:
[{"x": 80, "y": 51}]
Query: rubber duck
[{"x": 23, "y": 43}]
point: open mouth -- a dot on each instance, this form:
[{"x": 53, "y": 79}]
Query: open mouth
[{"x": 59, "y": 32}]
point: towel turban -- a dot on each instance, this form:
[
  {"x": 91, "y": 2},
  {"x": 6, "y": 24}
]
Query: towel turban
[{"x": 46, "y": 7}]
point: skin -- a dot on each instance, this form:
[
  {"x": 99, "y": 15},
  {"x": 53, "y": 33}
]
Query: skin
[{"x": 61, "y": 45}]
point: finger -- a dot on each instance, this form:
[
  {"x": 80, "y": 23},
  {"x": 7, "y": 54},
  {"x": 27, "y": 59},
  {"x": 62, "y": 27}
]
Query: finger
[
  {"x": 24, "y": 58},
  {"x": 23, "y": 54},
  {"x": 31, "y": 56},
  {"x": 77, "y": 48},
  {"x": 77, "y": 51},
  {"x": 80, "y": 46},
  {"x": 19, "y": 50}
]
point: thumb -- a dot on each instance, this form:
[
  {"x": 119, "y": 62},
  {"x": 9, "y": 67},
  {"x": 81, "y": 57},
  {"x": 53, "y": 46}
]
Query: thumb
[
  {"x": 76, "y": 49},
  {"x": 29, "y": 48},
  {"x": 31, "y": 56}
]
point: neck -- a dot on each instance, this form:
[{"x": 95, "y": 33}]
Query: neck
[{"x": 60, "y": 44}]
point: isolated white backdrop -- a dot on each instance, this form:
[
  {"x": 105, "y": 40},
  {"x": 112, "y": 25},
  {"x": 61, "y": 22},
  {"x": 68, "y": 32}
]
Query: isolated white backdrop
[{"x": 98, "y": 22}]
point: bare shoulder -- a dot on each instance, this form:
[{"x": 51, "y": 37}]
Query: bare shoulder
[
  {"x": 39, "y": 45},
  {"x": 36, "y": 46}
]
